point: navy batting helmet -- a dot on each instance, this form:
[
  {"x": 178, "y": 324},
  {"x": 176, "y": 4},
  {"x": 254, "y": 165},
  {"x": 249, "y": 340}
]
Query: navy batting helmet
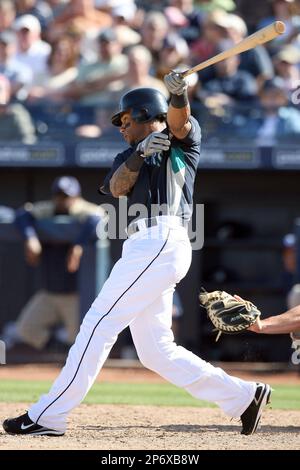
[{"x": 145, "y": 104}]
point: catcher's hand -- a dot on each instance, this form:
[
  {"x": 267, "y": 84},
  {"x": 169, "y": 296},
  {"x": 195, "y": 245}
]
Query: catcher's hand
[{"x": 229, "y": 314}]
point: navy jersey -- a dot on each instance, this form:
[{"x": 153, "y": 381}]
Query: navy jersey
[{"x": 166, "y": 179}]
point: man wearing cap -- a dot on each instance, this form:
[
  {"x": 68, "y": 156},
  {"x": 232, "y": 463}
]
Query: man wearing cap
[
  {"x": 31, "y": 50},
  {"x": 104, "y": 74},
  {"x": 230, "y": 84},
  {"x": 256, "y": 61},
  {"x": 286, "y": 63},
  {"x": 57, "y": 302}
]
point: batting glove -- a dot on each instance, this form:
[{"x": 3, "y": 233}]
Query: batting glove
[
  {"x": 155, "y": 142},
  {"x": 176, "y": 83}
]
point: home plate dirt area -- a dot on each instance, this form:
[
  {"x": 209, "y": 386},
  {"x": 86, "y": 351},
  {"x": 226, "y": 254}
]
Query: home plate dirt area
[{"x": 125, "y": 427}]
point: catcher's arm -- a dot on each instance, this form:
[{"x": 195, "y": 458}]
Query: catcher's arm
[{"x": 287, "y": 322}]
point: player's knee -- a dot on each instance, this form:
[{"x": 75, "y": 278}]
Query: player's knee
[
  {"x": 155, "y": 358},
  {"x": 145, "y": 358}
]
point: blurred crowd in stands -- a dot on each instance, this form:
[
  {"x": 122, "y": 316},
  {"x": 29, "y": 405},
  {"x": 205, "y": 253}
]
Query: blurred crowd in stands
[{"x": 65, "y": 63}]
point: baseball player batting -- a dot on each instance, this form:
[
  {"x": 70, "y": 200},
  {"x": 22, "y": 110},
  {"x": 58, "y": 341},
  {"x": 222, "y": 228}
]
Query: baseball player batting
[{"x": 159, "y": 167}]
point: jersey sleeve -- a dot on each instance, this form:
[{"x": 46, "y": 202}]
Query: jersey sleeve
[{"x": 119, "y": 159}]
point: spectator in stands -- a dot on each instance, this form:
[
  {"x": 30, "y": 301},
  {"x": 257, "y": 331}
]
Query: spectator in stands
[
  {"x": 220, "y": 25},
  {"x": 100, "y": 126},
  {"x": 256, "y": 61},
  {"x": 231, "y": 86},
  {"x": 101, "y": 77},
  {"x": 38, "y": 8},
  {"x": 156, "y": 5},
  {"x": 118, "y": 82},
  {"x": 82, "y": 14},
  {"x": 31, "y": 50},
  {"x": 172, "y": 55},
  {"x": 123, "y": 15},
  {"x": 214, "y": 33},
  {"x": 276, "y": 120},
  {"x": 286, "y": 63},
  {"x": 7, "y": 14},
  {"x": 125, "y": 10},
  {"x": 18, "y": 74},
  {"x": 176, "y": 19},
  {"x": 154, "y": 30},
  {"x": 15, "y": 121},
  {"x": 138, "y": 76},
  {"x": 212, "y": 5},
  {"x": 81, "y": 17},
  {"x": 288, "y": 12},
  {"x": 61, "y": 71},
  {"x": 253, "y": 12},
  {"x": 78, "y": 36},
  {"x": 194, "y": 18},
  {"x": 57, "y": 302},
  {"x": 57, "y": 6}
]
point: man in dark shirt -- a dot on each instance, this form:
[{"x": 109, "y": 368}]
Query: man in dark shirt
[
  {"x": 56, "y": 302},
  {"x": 159, "y": 168},
  {"x": 237, "y": 85}
]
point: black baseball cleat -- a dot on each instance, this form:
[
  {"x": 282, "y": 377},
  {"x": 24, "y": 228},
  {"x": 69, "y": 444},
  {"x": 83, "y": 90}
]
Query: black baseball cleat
[
  {"x": 23, "y": 425},
  {"x": 251, "y": 417}
]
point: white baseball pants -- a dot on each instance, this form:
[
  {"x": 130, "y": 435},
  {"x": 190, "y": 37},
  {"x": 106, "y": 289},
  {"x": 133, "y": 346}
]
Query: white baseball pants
[{"x": 139, "y": 293}]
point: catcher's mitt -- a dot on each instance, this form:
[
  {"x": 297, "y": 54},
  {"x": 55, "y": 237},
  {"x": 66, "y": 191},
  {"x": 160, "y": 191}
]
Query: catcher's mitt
[{"x": 227, "y": 313}]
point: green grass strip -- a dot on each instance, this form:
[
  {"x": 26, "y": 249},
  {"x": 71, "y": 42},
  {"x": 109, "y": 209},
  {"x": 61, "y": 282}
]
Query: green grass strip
[{"x": 284, "y": 397}]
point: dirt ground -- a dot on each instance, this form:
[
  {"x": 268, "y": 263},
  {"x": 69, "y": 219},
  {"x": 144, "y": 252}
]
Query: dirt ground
[{"x": 124, "y": 427}]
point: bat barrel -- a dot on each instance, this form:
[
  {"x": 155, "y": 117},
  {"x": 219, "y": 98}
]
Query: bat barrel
[
  {"x": 259, "y": 37},
  {"x": 279, "y": 27}
]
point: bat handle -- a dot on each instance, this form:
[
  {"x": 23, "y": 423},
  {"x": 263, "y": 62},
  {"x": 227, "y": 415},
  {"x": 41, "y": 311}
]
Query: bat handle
[
  {"x": 188, "y": 72},
  {"x": 183, "y": 74}
]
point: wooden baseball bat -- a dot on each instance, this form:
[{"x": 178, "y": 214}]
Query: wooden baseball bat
[{"x": 260, "y": 37}]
